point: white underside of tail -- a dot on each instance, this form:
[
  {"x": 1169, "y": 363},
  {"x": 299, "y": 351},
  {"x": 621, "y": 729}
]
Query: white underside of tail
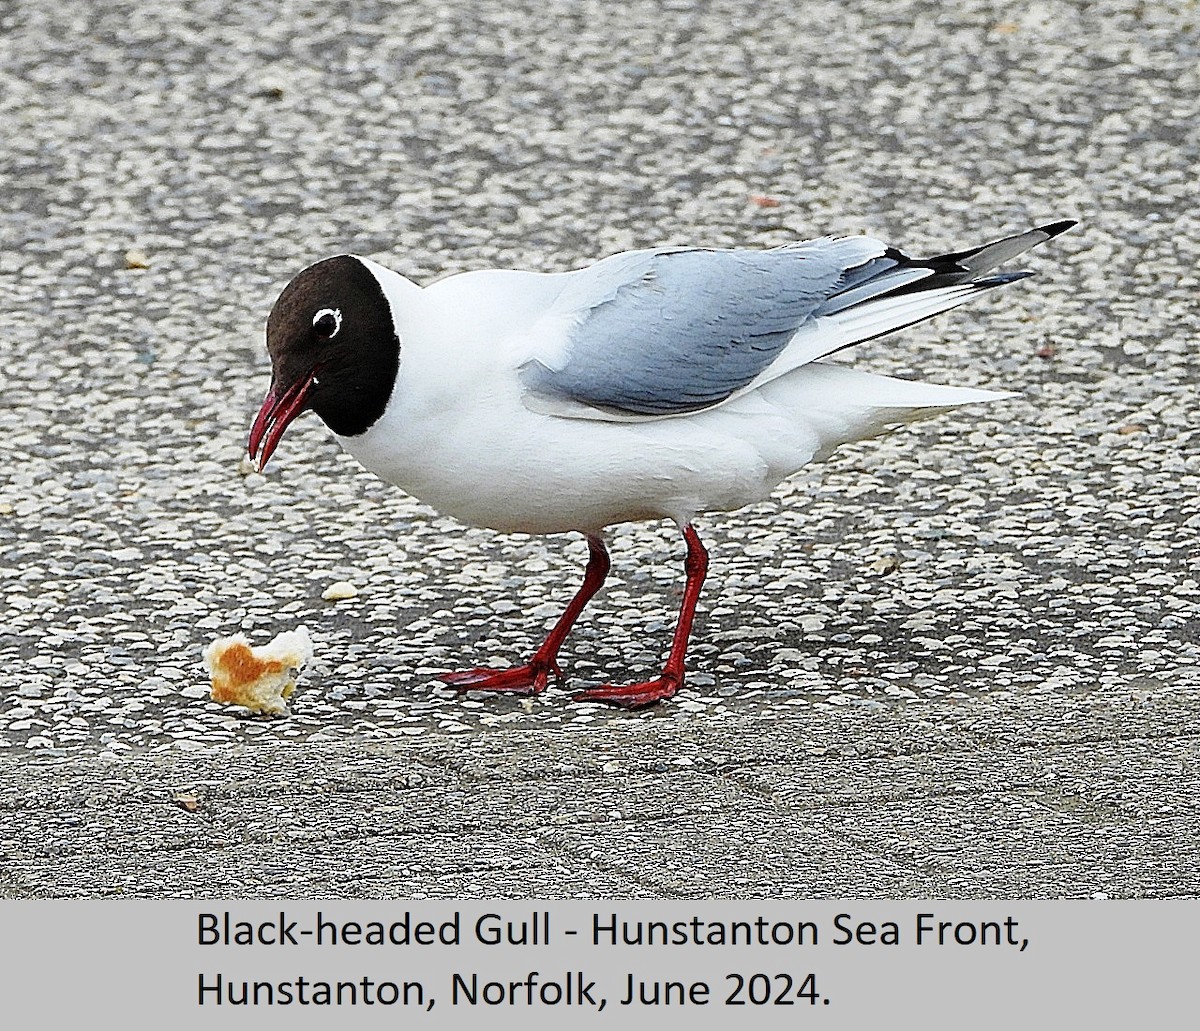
[
  {"x": 758, "y": 440},
  {"x": 841, "y": 404}
]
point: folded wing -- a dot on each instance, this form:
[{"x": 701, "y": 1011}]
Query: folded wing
[{"x": 649, "y": 334}]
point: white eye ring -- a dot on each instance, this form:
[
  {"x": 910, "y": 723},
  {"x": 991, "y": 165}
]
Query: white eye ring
[{"x": 337, "y": 320}]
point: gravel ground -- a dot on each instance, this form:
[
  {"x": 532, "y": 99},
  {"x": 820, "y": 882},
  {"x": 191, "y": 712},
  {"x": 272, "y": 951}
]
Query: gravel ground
[{"x": 166, "y": 168}]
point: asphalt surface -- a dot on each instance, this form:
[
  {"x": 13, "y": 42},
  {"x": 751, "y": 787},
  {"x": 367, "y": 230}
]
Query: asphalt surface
[{"x": 961, "y": 660}]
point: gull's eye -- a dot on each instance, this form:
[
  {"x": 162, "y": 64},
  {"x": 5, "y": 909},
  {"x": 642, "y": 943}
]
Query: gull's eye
[{"x": 327, "y": 322}]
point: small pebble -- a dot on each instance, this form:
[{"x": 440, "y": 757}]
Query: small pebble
[{"x": 340, "y": 591}]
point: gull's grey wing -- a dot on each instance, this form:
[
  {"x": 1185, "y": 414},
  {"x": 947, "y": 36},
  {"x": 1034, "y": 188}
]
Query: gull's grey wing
[
  {"x": 671, "y": 331},
  {"x": 648, "y": 334}
]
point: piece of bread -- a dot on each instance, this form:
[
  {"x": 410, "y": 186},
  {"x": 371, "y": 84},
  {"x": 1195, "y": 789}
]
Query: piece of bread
[{"x": 261, "y": 679}]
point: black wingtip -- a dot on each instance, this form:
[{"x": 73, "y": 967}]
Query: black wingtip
[
  {"x": 1056, "y": 228},
  {"x": 1001, "y": 278}
]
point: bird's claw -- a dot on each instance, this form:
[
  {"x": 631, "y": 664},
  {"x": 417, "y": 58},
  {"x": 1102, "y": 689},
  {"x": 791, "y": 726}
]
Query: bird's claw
[
  {"x": 633, "y": 696},
  {"x": 528, "y": 679}
]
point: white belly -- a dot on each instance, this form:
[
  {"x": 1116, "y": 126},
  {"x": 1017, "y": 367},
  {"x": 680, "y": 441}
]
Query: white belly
[{"x": 489, "y": 461}]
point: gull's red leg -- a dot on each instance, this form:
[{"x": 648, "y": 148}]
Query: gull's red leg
[
  {"x": 531, "y": 678},
  {"x": 635, "y": 696}
]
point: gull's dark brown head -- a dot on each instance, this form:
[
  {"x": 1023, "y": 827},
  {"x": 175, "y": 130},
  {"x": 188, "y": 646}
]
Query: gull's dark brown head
[{"x": 334, "y": 349}]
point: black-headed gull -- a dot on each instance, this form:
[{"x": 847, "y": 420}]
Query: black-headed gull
[{"x": 654, "y": 384}]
